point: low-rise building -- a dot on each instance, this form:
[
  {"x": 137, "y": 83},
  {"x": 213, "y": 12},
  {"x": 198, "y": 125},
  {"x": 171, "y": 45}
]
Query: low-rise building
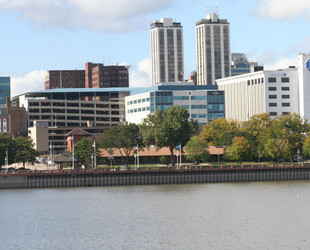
[
  {"x": 204, "y": 102},
  {"x": 93, "y": 110}
]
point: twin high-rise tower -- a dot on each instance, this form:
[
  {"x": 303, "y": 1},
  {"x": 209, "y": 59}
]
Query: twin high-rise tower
[
  {"x": 167, "y": 51},
  {"x": 213, "y": 50}
]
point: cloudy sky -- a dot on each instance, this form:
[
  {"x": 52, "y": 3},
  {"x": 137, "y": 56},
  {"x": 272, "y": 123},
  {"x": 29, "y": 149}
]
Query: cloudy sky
[{"x": 40, "y": 35}]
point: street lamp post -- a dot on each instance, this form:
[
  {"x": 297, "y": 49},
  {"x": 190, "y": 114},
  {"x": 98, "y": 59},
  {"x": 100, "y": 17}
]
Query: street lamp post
[
  {"x": 298, "y": 152},
  {"x": 111, "y": 160},
  {"x": 258, "y": 153},
  {"x": 218, "y": 159}
]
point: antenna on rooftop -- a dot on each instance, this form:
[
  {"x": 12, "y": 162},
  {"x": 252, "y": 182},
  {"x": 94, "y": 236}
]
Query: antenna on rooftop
[
  {"x": 217, "y": 6},
  {"x": 208, "y": 10}
]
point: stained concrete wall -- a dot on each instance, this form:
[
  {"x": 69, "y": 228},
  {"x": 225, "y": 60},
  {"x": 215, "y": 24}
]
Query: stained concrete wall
[{"x": 156, "y": 178}]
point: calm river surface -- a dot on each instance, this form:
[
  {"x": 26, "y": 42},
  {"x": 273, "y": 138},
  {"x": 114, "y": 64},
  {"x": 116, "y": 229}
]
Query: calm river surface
[{"x": 268, "y": 215}]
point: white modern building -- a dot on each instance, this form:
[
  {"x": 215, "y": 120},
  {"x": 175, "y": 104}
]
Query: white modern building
[
  {"x": 275, "y": 92},
  {"x": 167, "y": 51},
  {"x": 204, "y": 103},
  {"x": 213, "y": 49}
]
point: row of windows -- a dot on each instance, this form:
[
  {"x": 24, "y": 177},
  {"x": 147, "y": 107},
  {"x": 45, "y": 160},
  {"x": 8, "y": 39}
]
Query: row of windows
[
  {"x": 276, "y": 113},
  {"x": 284, "y": 104},
  {"x": 138, "y": 110},
  {"x": 199, "y": 115},
  {"x": 274, "y": 79},
  {"x": 282, "y": 88},
  {"x": 255, "y": 81},
  {"x": 275, "y": 97},
  {"x": 138, "y": 101},
  {"x": 185, "y": 98}
]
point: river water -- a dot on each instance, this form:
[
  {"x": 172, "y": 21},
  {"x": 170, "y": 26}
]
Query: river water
[{"x": 265, "y": 215}]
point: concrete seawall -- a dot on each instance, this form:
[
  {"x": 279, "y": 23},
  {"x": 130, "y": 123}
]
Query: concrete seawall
[{"x": 155, "y": 177}]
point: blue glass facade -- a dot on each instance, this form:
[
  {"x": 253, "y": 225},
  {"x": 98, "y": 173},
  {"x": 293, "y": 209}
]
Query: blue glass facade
[
  {"x": 5, "y": 90},
  {"x": 161, "y": 100},
  {"x": 216, "y": 106}
]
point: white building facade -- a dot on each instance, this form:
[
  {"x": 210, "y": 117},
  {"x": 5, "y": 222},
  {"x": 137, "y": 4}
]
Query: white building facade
[
  {"x": 213, "y": 49},
  {"x": 275, "y": 92},
  {"x": 167, "y": 53}
]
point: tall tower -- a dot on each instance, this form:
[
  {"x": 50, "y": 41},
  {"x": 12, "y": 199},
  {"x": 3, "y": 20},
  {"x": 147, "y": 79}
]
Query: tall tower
[
  {"x": 167, "y": 51},
  {"x": 213, "y": 48}
]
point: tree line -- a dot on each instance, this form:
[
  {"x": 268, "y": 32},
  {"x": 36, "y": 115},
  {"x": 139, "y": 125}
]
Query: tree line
[
  {"x": 279, "y": 139},
  {"x": 283, "y": 138}
]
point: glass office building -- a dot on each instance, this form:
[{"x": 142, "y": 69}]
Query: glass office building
[
  {"x": 204, "y": 103},
  {"x": 5, "y": 90}
]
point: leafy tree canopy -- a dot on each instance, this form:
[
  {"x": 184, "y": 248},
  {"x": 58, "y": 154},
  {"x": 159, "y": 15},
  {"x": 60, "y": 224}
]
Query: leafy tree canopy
[
  {"x": 168, "y": 129},
  {"x": 122, "y": 138},
  {"x": 84, "y": 150},
  {"x": 7, "y": 144},
  {"x": 239, "y": 150},
  {"x": 220, "y": 132},
  {"x": 196, "y": 150},
  {"x": 25, "y": 151}
]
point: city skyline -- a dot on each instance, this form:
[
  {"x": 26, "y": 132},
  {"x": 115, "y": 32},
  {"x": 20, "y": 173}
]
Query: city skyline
[{"x": 36, "y": 39}]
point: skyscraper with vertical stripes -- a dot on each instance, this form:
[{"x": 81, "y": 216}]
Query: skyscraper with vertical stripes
[
  {"x": 167, "y": 51},
  {"x": 213, "y": 48}
]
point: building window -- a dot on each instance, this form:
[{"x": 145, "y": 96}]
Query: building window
[
  {"x": 272, "y": 79},
  {"x": 272, "y": 96},
  {"x": 285, "y": 96},
  {"x": 262, "y": 80},
  {"x": 258, "y": 80},
  {"x": 285, "y": 113},
  {"x": 285, "y": 88},
  {"x": 285, "y": 104},
  {"x": 273, "y": 113},
  {"x": 272, "y": 88},
  {"x": 199, "y": 106},
  {"x": 249, "y": 82},
  {"x": 285, "y": 79},
  {"x": 181, "y": 98},
  {"x": 272, "y": 104},
  {"x": 198, "y": 97}
]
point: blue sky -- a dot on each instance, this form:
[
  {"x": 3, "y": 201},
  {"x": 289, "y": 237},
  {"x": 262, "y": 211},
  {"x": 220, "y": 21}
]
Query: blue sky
[{"x": 40, "y": 35}]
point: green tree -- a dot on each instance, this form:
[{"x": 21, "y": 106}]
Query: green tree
[
  {"x": 276, "y": 148},
  {"x": 196, "y": 150},
  {"x": 255, "y": 131},
  {"x": 306, "y": 147},
  {"x": 221, "y": 132},
  {"x": 122, "y": 138},
  {"x": 289, "y": 131},
  {"x": 7, "y": 144},
  {"x": 25, "y": 151},
  {"x": 239, "y": 150},
  {"x": 83, "y": 150},
  {"x": 168, "y": 129}
]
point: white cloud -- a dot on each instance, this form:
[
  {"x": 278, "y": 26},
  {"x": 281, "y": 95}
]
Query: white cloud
[
  {"x": 302, "y": 47},
  {"x": 282, "y": 64},
  {"x": 282, "y": 9},
  {"x": 102, "y": 15},
  {"x": 141, "y": 76},
  {"x": 31, "y": 82}
]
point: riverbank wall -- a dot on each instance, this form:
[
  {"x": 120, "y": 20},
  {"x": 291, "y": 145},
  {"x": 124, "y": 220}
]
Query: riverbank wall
[{"x": 60, "y": 179}]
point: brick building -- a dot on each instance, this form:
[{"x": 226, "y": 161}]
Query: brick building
[
  {"x": 13, "y": 119},
  {"x": 99, "y": 76},
  {"x": 95, "y": 75},
  {"x": 65, "y": 79}
]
